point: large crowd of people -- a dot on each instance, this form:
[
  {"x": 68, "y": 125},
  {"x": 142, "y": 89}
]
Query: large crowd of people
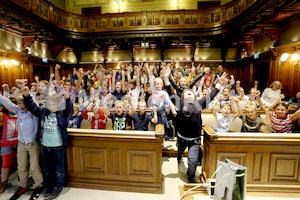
[{"x": 36, "y": 115}]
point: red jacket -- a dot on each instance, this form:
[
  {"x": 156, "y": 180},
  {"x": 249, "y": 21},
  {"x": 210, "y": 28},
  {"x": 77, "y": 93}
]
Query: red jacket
[
  {"x": 95, "y": 123},
  {"x": 10, "y": 130}
]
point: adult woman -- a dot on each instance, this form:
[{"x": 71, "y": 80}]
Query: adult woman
[{"x": 272, "y": 93}]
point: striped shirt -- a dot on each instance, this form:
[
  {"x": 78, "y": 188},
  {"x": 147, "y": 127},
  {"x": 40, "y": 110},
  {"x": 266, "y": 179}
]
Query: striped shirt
[{"x": 281, "y": 125}]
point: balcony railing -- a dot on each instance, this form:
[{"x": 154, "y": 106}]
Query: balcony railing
[{"x": 165, "y": 19}]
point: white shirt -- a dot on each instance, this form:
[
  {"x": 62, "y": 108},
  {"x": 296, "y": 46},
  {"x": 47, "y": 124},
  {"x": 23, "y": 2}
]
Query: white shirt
[
  {"x": 223, "y": 123},
  {"x": 270, "y": 95}
]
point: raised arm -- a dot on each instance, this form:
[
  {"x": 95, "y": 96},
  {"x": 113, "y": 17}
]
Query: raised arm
[
  {"x": 167, "y": 99},
  {"x": 232, "y": 100},
  {"x": 52, "y": 75},
  {"x": 104, "y": 108},
  {"x": 133, "y": 109},
  {"x": 196, "y": 79},
  {"x": 78, "y": 82},
  {"x": 138, "y": 79},
  {"x": 8, "y": 104},
  {"x": 151, "y": 77},
  {"x": 240, "y": 111},
  {"x": 274, "y": 103},
  {"x": 113, "y": 86},
  {"x": 20, "y": 83},
  {"x": 295, "y": 115},
  {"x": 123, "y": 81},
  {"x": 213, "y": 109},
  {"x": 155, "y": 118},
  {"x": 57, "y": 76},
  {"x": 29, "y": 104},
  {"x": 67, "y": 113},
  {"x": 268, "y": 116}
]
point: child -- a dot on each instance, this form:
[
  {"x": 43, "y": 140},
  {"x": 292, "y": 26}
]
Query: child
[
  {"x": 183, "y": 82},
  {"x": 252, "y": 123},
  {"x": 28, "y": 148},
  {"x": 98, "y": 121},
  {"x": 68, "y": 84},
  {"x": 224, "y": 119},
  {"x": 104, "y": 91},
  {"x": 9, "y": 143},
  {"x": 159, "y": 96},
  {"x": 53, "y": 135},
  {"x": 118, "y": 88},
  {"x": 91, "y": 97},
  {"x": 223, "y": 99},
  {"x": 189, "y": 123},
  {"x": 134, "y": 87},
  {"x": 75, "y": 120},
  {"x": 148, "y": 93},
  {"x": 119, "y": 118},
  {"x": 281, "y": 122},
  {"x": 141, "y": 119}
]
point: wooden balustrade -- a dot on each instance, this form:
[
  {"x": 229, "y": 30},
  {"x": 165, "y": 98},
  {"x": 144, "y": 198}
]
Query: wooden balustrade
[
  {"x": 272, "y": 159},
  {"x": 116, "y": 160},
  {"x": 171, "y": 19}
]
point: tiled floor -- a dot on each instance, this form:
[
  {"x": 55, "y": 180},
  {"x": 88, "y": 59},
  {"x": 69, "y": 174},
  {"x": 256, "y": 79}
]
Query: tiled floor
[{"x": 173, "y": 177}]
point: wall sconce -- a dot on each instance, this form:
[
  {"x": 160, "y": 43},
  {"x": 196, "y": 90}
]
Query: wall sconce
[
  {"x": 14, "y": 62},
  {"x": 5, "y": 62},
  {"x": 284, "y": 57},
  {"x": 295, "y": 58}
]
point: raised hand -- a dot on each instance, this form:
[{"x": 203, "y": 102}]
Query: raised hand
[
  {"x": 20, "y": 83},
  {"x": 36, "y": 78},
  {"x": 57, "y": 66},
  {"x": 220, "y": 97},
  {"x": 66, "y": 93},
  {"x": 4, "y": 86},
  {"x": 38, "y": 100},
  {"x": 223, "y": 79},
  {"x": 89, "y": 108},
  {"x": 281, "y": 96},
  {"x": 166, "y": 72},
  {"x": 80, "y": 100},
  {"x": 25, "y": 91},
  {"x": 257, "y": 94},
  {"x": 236, "y": 100},
  {"x": 127, "y": 97},
  {"x": 80, "y": 71},
  {"x": 193, "y": 69},
  {"x": 154, "y": 108}
]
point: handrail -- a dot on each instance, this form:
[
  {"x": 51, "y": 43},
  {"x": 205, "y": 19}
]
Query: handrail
[
  {"x": 158, "y": 133},
  {"x": 171, "y": 19}
]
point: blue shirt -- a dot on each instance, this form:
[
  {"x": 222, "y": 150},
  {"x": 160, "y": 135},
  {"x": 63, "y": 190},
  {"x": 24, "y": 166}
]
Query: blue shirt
[
  {"x": 141, "y": 122},
  {"x": 27, "y": 122}
]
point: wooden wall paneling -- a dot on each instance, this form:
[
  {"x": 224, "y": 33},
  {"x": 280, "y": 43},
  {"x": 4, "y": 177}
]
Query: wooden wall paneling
[
  {"x": 272, "y": 160},
  {"x": 106, "y": 159},
  {"x": 284, "y": 167},
  {"x": 257, "y": 167},
  {"x": 297, "y": 72}
]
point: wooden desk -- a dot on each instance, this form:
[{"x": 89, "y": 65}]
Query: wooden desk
[
  {"x": 272, "y": 160},
  {"x": 116, "y": 160}
]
